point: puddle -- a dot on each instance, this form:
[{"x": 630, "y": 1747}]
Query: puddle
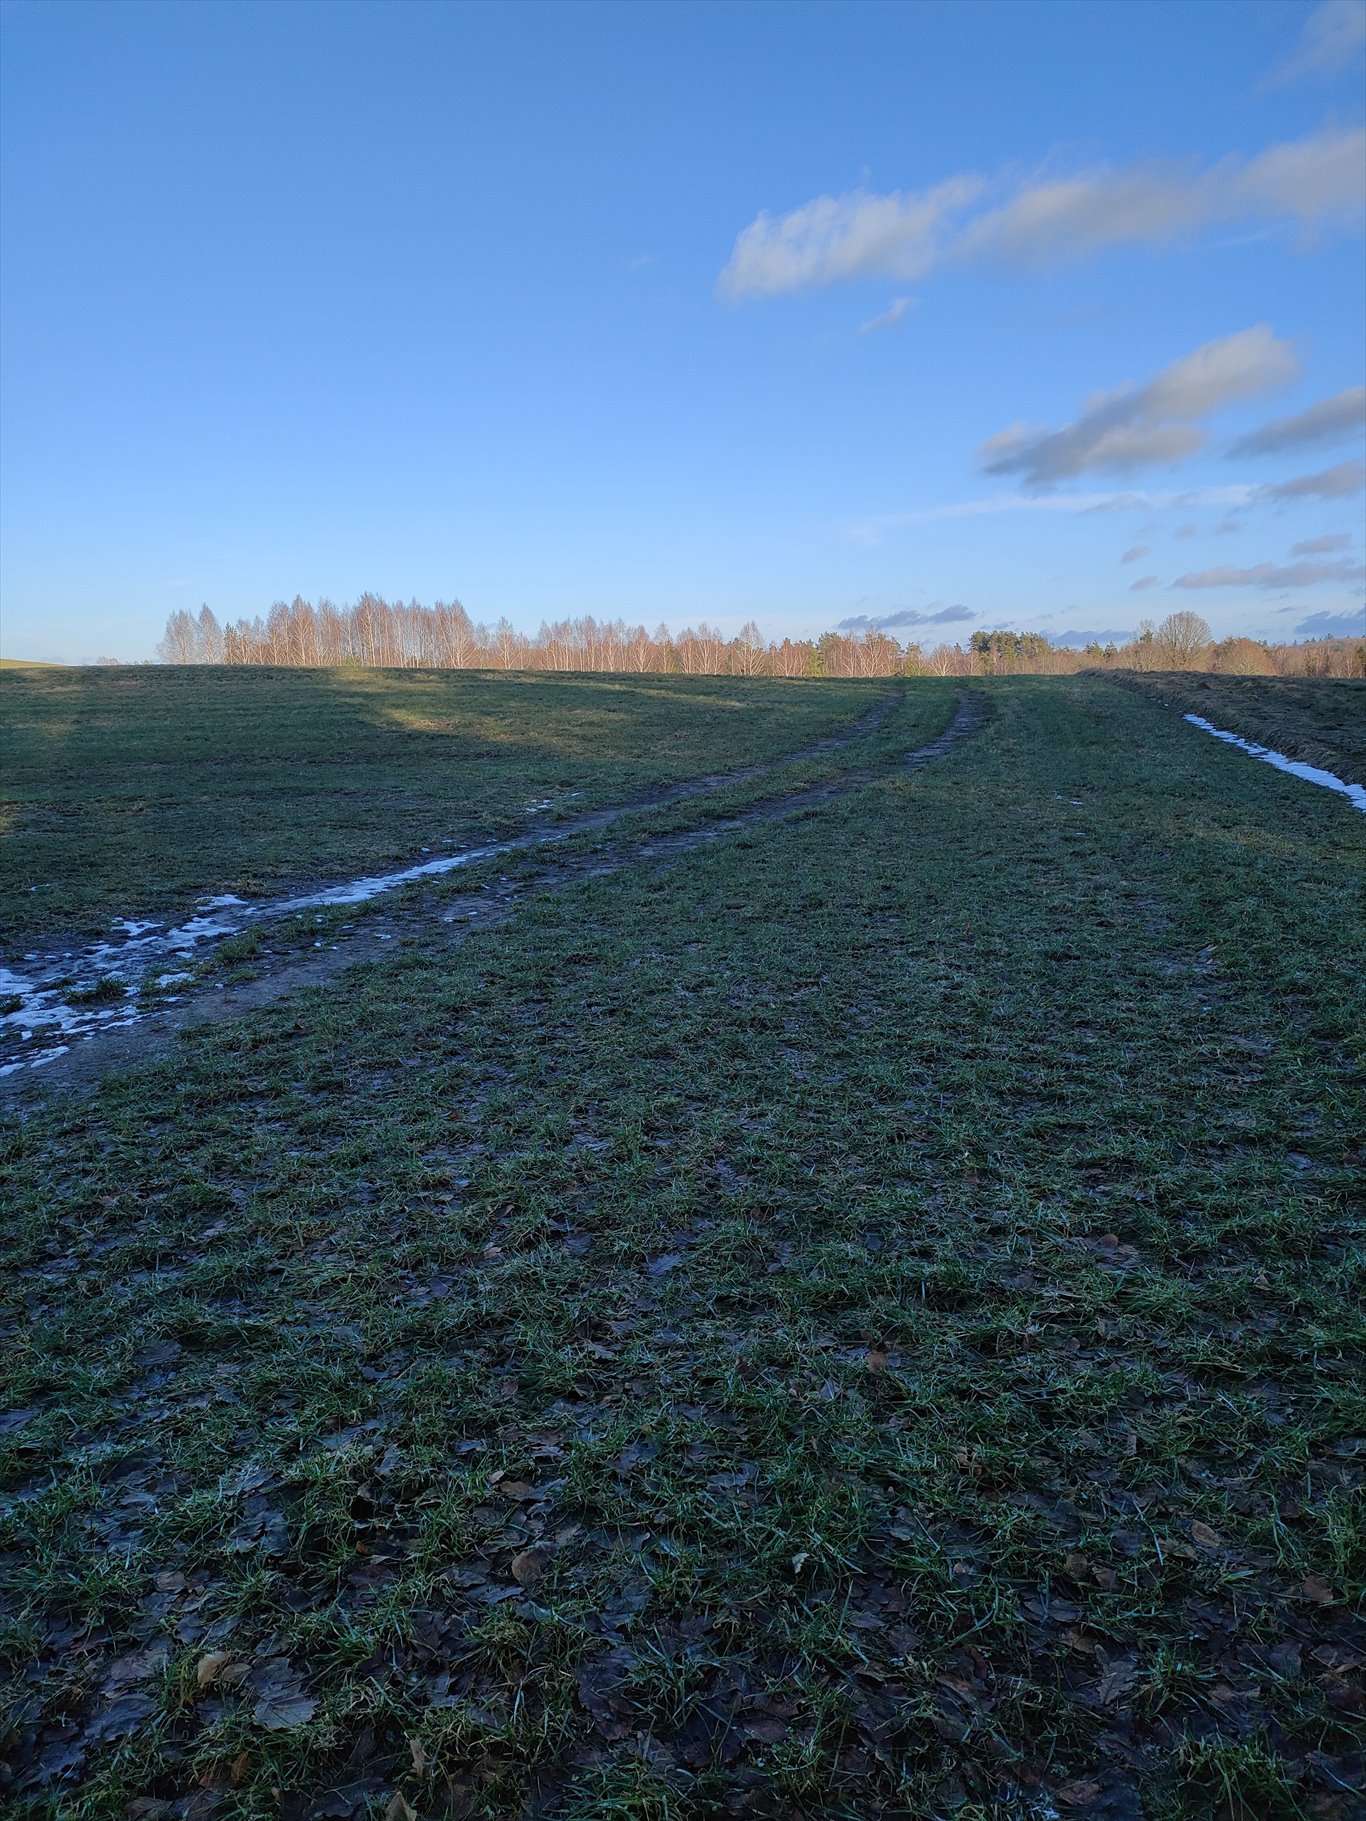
[{"x": 1312, "y": 774}]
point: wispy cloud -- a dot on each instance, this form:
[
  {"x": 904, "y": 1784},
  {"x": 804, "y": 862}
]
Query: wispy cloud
[
  {"x": 1078, "y": 640},
  {"x": 890, "y": 316},
  {"x": 1148, "y": 500},
  {"x": 907, "y": 616},
  {"x": 1343, "y": 482},
  {"x": 1333, "y": 37},
  {"x": 1321, "y": 546},
  {"x": 1134, "y": 552},
  {"x": 905, "y": 234},
  {"x": 1140, "y": 425},
  {"x": 1143, "y": 583},
  {"x": 1332, "y": 625},
  {"x": 1325, "y": 422},
  {"x": 1274, "y": 575}
]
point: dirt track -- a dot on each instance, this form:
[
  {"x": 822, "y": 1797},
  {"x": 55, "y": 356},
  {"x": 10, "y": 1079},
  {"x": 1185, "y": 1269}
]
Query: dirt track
[{"x": 147, "y": 1032}]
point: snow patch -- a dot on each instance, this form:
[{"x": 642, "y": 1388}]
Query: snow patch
[{"x": 1312, "y": 774}]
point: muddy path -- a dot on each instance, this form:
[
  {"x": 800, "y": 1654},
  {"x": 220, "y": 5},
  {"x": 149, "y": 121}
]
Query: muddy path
[{"x": 83, "y": 1042}]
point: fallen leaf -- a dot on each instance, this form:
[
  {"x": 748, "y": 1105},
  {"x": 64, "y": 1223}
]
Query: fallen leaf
[
  {"x": 121, "y": 1717},
  {"x": 528, "y": 1566},
  {"x": 419, "y": 1755},
  {"x": 400, "y": 1809},
  {"x": 209, "y": 1666},
  {"x": 281, "y": 1703},
  {"x": 1205, "y": 1537},
  {"x": 1081, "y": 1792},
  {"x": 1315, "y": 1589},
  {"x": 516, "y": 1490}
]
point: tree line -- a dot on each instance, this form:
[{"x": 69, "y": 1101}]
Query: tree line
[{"x": 378, "y": 634}]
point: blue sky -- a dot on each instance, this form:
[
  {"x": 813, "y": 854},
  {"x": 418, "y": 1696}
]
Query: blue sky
[{"x": 929, "y": 315}]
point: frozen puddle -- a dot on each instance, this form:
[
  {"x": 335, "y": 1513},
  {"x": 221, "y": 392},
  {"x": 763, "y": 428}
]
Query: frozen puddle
[
  {"x": 67, "y": 995},
  {"x": 1312, "y": 774}
]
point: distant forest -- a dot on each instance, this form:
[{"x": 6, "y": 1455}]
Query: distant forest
[{"x": 379, "y": 634}]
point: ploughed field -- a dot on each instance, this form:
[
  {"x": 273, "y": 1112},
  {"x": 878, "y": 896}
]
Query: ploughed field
[{"x": 843, "y": 1299}]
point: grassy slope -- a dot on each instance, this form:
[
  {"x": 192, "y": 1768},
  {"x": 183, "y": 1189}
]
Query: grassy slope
[
  {"x": 131, "y": 790},
  {"x": 859, "y": 1320},
  {"x": 1321, "y": 720}
]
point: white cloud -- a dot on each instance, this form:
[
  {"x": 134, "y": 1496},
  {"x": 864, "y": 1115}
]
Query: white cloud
[
  {"x": 1344, "y": 414},
  {"x": 1320, "y": 546},
  {"x": 1342, "y": 482},
  {"x": 893, "y": 314},
  {"x": 1134, "y": 552},
  {"x": 905, "y": 234},
  {"x": 853, "y": 236},
  {"x": 1139, "y": 426},
  {"x": 1333, "y": 36},
  {"x": 1144, "y": 581},
  {"x": 1274, "y": 575}
]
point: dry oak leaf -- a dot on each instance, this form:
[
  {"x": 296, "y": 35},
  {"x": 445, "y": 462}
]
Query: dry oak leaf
[
  {"x": 528, "y": 1566},
  {"x": 219, "y": 1666},
  {"x": 1205, "y": 1537},
  {"x": 400, "y": 1809},
  {"x": 1081, "y": 1792}
]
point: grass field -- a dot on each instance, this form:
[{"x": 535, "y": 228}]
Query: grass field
[
  {"x": 129, "y": 791},
  {"x": 1319, "y": 720},
  {"x": 861, "y": 1318}
]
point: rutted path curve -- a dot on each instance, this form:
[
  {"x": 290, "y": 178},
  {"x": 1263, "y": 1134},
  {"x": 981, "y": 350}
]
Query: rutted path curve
[{"x": 72, "y": 1040}]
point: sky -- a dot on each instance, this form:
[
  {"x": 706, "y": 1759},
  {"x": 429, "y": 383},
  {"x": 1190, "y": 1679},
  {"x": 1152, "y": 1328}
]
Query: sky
[{"x": 935, "y": 317}]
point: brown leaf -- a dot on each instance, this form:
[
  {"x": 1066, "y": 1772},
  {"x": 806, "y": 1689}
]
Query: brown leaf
[
  {"x": 1081, "y": 1792},
  {"x": 516, "y": 1490},
  {"x": 1206, "y": 1538},
  {"x": 528, "y": 1566},
  {"x": 400, "y": 1809},
  {"x": 419, "y": 1754},
  {"x": 219, "y": 1666},
  {"x": 1315, "y": 1589}
]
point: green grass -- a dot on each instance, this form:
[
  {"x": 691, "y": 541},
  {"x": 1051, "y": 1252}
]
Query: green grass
[
  {"x": 863, "y": 1319},
  {"x": 130, "y": 791}
]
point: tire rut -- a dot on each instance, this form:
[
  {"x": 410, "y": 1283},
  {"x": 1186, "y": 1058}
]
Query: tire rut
[{"x": 153, "y": 1028}]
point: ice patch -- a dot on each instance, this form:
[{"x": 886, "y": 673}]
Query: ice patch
[
  {"x": 41, "y": 990},
  {"x": 1312, "y": 774}
]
